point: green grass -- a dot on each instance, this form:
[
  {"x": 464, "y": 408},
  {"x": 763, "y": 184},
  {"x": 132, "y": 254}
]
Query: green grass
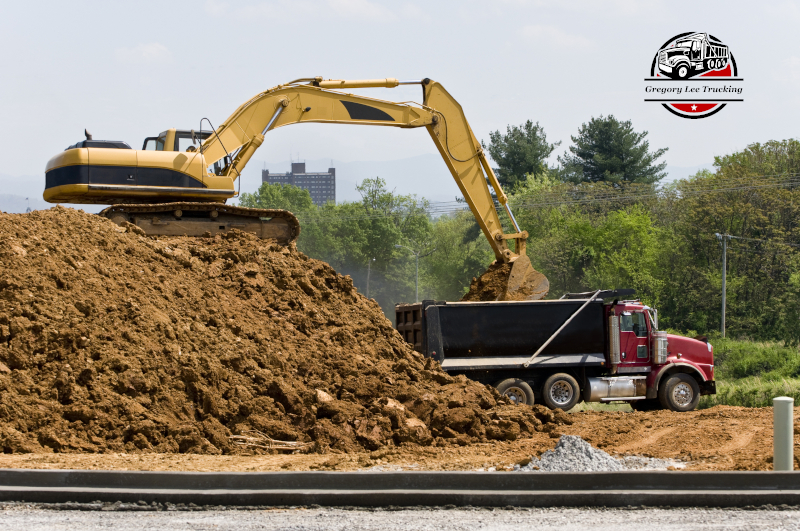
[
  {"x": 736, "y": 359},
  {"x": 600, "y": 406},
  {"x": 752, "y": 373},
  {"x": 754, "y": 391}
]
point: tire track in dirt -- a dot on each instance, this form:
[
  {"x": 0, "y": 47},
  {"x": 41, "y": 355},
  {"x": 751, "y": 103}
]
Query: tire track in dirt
[
  {"x": 738, "y": 442},
  {"x": 648, "y": 441}
]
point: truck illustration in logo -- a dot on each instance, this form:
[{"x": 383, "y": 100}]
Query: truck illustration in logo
[{"x": 692, "y": 55}]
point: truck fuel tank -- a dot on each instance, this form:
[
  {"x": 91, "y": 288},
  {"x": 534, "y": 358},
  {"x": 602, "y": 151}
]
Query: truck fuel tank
[{"x": 615, "y": 388}]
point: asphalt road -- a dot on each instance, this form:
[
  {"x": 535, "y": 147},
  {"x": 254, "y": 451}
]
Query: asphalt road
[{"x": 15, "y": 517}]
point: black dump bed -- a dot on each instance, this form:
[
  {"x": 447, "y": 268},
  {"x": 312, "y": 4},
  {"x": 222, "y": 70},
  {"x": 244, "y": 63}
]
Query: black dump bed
[{"x": 485, "y": 335}]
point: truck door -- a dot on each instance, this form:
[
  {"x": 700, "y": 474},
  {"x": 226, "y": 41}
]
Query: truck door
[
  {"x": 633, "y": 339},
  {"x": 696, "y": 52}
]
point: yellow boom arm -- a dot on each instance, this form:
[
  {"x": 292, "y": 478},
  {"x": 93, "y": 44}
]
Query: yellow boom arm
[{"x": 243, "y": 132}]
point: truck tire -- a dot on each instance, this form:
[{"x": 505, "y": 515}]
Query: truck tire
[
  {"x": 682, "y": 71},
  {"x": 679, "y": 393},
  {"x": 561, "y": 391},
  {"x": 518, "y": 391},
  {"x": 711, "y": 64}
]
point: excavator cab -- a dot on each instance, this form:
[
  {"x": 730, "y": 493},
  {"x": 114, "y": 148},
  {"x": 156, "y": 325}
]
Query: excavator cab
[{"x": 175, "y": 140}]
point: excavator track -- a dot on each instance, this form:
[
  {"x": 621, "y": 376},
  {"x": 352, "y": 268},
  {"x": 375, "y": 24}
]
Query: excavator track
[{"x": 204, "y": 219}]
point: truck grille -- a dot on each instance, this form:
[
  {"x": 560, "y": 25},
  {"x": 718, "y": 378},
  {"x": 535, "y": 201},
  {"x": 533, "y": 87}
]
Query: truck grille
[{"x": 662, "y": 58}]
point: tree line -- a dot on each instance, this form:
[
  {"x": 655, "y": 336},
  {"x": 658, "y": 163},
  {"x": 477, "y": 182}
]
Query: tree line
[{"x": 599, "y": 219}]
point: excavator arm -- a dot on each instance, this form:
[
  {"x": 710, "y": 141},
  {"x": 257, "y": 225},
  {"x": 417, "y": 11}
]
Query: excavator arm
[{"x": 321, "y": 101}]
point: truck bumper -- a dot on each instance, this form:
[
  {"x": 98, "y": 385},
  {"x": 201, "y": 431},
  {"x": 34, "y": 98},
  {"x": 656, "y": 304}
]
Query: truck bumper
[
  {"x": 665, "y": 68},
  {"x": 708, "y": 387}
]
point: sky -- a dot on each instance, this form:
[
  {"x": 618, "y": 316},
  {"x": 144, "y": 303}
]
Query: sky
[{"x": 128, "y": 70}]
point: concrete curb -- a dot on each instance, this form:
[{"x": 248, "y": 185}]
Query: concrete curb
[{"x": 377, "y": 489}]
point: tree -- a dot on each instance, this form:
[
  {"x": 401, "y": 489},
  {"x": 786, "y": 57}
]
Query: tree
[
  {"x": 352, "y": 236},
  {"x": 609, "y": 150},
  {"x": 521, "y": 151},
  {"x": 282, "y": 196},
  {"x": 447, "y": 273}
]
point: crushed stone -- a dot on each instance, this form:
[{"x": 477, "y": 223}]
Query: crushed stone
[{"x": 573, "y": 454}]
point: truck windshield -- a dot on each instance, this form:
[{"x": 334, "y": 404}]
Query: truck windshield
[{"x": 684, "y": 44}]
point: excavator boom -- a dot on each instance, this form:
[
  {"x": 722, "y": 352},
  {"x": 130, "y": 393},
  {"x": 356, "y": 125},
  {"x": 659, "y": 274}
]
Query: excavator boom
[{"x": 208, "y": 174}]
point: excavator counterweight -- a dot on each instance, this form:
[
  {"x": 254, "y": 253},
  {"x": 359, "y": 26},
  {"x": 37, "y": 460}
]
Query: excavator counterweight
[{"x": 173, "y": 187}]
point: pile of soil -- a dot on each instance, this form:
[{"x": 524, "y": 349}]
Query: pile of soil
[
  {"x": 491, "y": 285},
  {"x": 111, "y": 341}
]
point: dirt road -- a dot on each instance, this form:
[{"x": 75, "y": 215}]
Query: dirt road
[{"x": 721, "y": 438}]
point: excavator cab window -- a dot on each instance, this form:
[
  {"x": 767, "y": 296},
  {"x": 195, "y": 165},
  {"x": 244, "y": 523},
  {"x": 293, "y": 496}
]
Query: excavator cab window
[
  {"x": 153, "y": 143},
  {"x": 183, "y": 139}
]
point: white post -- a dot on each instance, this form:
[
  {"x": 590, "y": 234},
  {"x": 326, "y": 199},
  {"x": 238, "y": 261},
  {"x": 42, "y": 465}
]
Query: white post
[{"x": 783, "y": 433}]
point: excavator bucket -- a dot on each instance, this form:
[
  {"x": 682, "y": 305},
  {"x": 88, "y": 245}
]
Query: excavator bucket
[
  {"x": 517, "y": 281},
  {"x": 525, "y": 283}
]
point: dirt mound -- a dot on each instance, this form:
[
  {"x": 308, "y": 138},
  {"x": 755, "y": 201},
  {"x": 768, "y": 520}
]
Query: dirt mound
[{"x": 112, "y": 341}]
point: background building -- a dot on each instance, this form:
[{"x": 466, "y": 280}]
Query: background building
[{"x": 321, "y": 186}]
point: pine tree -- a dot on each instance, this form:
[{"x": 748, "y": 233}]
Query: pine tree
[
  {"x": 611, "y": 151},
  {"x": 520, "y": 152}
]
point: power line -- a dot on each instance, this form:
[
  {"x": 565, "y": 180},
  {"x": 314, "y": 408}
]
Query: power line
[
  {"x": 549, "y": 199},
  {"x": 766, "y": 241}
]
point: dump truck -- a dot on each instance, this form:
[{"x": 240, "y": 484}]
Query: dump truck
[
  {"x": 560, "y": 352},
  {"x": 692, "y": 55}
]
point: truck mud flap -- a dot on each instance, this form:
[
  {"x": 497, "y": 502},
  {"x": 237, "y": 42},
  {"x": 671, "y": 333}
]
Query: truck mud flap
[{"x": 708, "y": 387}]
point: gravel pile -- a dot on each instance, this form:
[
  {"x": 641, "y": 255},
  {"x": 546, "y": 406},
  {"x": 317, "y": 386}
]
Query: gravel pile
[{"x": 573, "y": 454}]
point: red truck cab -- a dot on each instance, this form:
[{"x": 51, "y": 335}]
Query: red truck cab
[{"x": 659, "y": 357}]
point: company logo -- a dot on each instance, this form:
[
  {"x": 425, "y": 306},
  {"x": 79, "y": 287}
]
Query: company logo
[{"x": 694, "y": 75}]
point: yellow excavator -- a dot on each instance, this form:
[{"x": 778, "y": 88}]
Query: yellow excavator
[{"x": 178, "y": 183}]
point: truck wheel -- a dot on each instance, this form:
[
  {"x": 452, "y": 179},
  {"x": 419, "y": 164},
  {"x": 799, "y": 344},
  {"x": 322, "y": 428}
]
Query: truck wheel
[
  {"x": 679, "y": 393},
  {"x": 711, "y": 64},
  {"x": 561, "y": 391},
  {"x": 682, "y": 71},
  {"x": 517, "y": 390}
]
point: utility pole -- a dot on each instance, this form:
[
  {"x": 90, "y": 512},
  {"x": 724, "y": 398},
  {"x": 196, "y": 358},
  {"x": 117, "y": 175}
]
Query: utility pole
[
  {"x": 417, "y": 256},
  {"x": 369, "y": 267},
  {"x": 724, "y": 238}
]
